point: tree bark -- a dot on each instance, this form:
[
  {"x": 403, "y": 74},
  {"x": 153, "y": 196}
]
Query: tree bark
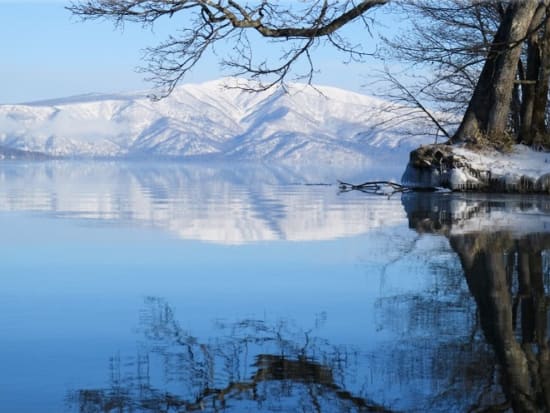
[
  {"x": 529, "y": 88},
  {"x": 541, "y": 94},
  {"x": 535, "y": 92},
  {"x": 488, "y": 111}
]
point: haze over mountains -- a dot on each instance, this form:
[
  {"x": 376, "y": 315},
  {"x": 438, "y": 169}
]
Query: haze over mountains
[{"x": 210, "y": 121}]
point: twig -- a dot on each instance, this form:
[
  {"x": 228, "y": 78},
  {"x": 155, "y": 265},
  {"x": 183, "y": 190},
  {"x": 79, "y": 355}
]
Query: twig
[{"x": 388, "y": 188}]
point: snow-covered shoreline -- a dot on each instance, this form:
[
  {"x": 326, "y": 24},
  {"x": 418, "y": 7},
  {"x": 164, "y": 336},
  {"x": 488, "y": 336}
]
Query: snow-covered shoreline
[
  {"x": 521, "y": 161},
  {"x": 522, "y": 170}
]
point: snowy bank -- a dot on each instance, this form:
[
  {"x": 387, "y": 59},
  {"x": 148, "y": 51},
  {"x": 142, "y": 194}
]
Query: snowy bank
[{"x": 457, "y": 168}]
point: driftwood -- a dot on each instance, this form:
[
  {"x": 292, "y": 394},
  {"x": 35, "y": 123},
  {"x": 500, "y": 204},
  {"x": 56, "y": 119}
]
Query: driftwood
[{"x": 388, "y": 188}]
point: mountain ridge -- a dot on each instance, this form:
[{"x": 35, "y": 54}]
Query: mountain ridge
[{"x": 211, "y": 121}]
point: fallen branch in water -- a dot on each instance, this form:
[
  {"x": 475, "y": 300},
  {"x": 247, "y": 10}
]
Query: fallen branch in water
[{"x": 375, "y": 187}]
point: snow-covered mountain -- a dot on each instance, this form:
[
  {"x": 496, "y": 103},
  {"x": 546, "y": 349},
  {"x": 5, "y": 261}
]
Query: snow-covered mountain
[{"x": 212, "y": 121}]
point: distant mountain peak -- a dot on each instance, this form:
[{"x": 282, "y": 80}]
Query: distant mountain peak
[{"x": 211, "y": 120}]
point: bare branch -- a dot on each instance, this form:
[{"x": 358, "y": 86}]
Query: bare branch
[{"x": 300, "y": 25}]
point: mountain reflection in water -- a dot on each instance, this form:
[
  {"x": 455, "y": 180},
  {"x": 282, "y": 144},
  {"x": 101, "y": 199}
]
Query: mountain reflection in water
[{"x": 222, "y": 204}]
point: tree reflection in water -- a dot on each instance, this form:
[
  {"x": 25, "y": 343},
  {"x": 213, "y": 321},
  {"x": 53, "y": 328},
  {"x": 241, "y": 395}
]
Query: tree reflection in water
[
  {"x": 291, "y": 371},
  {"x": 503, "y": 246},
  {"x": 476, "y": 340}
]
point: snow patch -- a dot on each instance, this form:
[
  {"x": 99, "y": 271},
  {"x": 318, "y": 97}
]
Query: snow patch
[
  {"x": 521, "y": 161},
  {"x": 523, "y": 170}
]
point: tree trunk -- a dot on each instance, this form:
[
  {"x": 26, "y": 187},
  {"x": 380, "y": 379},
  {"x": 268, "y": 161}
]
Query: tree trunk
[
  {"x": 539, "y": 128},
  {"x": 532, "y": 75},
  {"x": 534, "y": 93},
  {"x": 488, "y": 110}
]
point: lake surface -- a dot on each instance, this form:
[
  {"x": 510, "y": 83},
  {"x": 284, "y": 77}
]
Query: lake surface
[{"x": 132, "y": 287}]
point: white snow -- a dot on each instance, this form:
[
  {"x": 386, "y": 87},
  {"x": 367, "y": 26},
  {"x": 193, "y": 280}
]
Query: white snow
[
  {"x": 458, "y": 178},
  {"x": 520, "y": 161},
  {"x": 208, "y": 120}
]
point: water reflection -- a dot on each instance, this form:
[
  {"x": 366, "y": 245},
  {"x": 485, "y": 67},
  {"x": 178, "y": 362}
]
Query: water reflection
[
  {"x": 252, "y": 365},
  {"x": 442, "y": 308},
  {"x": 503, "y": 245},
  {"x": 213, "y": 202},
  {"x": 475, "y": 339}
]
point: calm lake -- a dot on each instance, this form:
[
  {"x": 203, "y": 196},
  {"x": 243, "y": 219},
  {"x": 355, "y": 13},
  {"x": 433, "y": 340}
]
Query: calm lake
[{"x": 137, "y": 287}]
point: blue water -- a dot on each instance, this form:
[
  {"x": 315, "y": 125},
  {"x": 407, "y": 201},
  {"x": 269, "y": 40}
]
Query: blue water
[{"x": 175, "y": 287}]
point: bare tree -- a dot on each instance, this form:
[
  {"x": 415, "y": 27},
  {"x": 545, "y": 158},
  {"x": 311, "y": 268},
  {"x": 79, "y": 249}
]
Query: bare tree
[
  {"x": 489, "y": 109},
  {"x": 487, "y": 61},
  {"x": 299, "y": 26},
  {"x": 475, "y": 47},
  {"x": 443, "y": 46}
]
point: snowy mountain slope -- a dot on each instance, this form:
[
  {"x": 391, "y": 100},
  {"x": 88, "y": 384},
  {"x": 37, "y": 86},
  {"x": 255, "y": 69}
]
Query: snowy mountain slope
[{"x": 211, "y": 121}]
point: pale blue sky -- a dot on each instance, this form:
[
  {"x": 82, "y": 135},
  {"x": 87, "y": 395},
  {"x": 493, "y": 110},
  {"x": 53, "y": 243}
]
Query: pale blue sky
[{"x": 48, "y": 53}]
